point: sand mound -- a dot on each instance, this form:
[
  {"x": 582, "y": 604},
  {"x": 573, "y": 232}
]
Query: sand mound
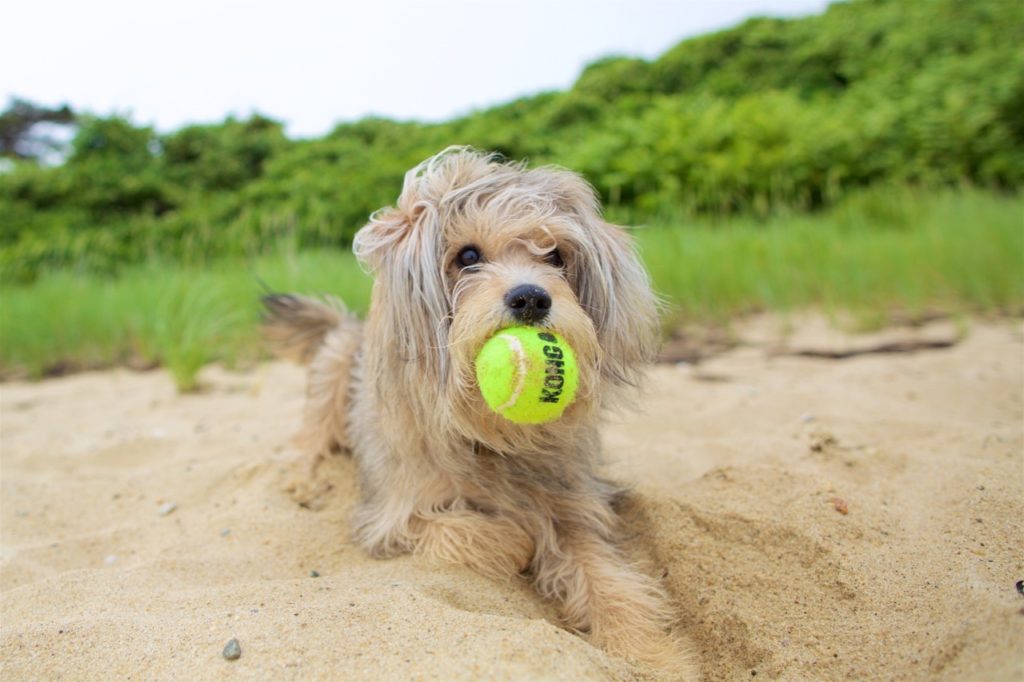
[{"x": 814, "y": 519}]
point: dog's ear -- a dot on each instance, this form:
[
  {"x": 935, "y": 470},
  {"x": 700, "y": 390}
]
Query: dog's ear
[
  {"x": 402, "y": 247},
  {"x": 612, "y": 287},
  {"x": 380, "y": 237}
]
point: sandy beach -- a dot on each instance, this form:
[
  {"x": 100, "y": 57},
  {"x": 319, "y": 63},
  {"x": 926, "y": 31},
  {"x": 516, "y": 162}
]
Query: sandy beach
[{"x": 814, "y": 519}]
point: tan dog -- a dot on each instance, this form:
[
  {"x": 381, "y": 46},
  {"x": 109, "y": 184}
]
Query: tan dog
[{"x": 476, "y": 245}]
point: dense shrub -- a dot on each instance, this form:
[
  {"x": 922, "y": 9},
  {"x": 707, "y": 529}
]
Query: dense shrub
[{"x": 769, "y": 114}]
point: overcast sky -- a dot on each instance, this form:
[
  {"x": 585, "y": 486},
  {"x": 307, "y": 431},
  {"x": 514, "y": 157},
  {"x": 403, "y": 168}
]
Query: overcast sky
[{"x": 315, "y": 63}]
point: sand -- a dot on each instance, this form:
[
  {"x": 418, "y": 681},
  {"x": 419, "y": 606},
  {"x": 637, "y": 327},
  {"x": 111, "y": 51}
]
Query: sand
[{"x": 815, "y": 519}]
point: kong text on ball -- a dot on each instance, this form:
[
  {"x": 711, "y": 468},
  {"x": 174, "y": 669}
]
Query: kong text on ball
[{"x": 527, "y": 374}]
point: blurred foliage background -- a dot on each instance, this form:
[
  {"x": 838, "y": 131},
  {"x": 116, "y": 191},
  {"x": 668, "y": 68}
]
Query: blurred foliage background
[
  {"x": 771, "y": 114},
  {"x": 771, "y": 118}
]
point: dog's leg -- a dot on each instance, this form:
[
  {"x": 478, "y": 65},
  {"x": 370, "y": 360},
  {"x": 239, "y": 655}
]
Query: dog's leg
[
  {"x": 323, "y": 335},
  {"x": 325, "y": 421},
  {"x": 492, "y": 545},
  {"x": 625, "y": 611}
]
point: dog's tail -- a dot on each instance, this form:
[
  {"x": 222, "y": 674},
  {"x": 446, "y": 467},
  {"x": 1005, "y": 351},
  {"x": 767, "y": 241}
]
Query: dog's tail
[{"x": 296, "y": 326}]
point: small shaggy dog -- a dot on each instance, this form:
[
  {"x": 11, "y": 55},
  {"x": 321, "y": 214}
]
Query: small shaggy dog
[{"x": 475, "y": 245}]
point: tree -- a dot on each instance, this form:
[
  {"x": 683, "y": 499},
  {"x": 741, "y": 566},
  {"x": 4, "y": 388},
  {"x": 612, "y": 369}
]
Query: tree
[{"x": 23, "y": 133}]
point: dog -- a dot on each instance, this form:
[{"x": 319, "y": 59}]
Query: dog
[{"x": 477, "y": 244}]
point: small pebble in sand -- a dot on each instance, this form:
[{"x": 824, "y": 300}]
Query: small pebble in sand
[
  {"x": 166, "y": 508},
  {"x": 225, "y": 532},
  {"x": 314, "y": 574},
  {"x": 110, "y": 560},
  {"x": 823, "y": 442},
  {"x": 807, "y": 418},
  {"x": 839, "y": 504},
  {"x": 1020, "y": 587},
  {"x": 232, "y": 651}
]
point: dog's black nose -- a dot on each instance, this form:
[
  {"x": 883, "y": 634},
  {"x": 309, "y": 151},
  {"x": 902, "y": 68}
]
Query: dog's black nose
[{"x": 528, "y": 303}]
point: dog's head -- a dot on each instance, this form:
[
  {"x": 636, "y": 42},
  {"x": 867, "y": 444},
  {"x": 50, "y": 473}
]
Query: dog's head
[{"x": 476, "y": 245}]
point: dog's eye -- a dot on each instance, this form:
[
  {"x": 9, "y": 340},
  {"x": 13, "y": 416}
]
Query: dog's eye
[
  {"x": 468, "y": 256},
  {"x": 554, "y": 258}
]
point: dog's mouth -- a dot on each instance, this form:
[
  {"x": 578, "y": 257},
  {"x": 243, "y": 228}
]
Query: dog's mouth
[
  {"x": 486, "y": 308},
  {"x": 527, "y": 375}
]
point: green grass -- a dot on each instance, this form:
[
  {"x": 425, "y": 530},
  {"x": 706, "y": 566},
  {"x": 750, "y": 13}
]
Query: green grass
[
  {"x": 178, "y": 316},
  {"x": 878, "y": 254}
]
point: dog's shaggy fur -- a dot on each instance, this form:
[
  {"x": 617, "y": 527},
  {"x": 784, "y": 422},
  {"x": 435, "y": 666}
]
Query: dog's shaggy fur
[{"x": 441, "y": 475}]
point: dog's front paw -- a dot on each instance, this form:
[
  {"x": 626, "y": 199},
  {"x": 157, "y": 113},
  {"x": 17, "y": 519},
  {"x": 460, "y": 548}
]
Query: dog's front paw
[
  {"x": 629, "y": 616},
  {"x": 493, "y": 546},
  {"x": 650, "y": 647},
  {"x": 305, "y": 484},
  {"x": 621, "y": 609}
]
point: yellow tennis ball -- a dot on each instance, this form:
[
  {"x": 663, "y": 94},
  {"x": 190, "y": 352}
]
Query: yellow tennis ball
[{"x": 528, "y": 375}]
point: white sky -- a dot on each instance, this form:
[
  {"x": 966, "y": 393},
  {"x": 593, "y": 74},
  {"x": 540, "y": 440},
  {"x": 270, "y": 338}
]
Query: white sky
[{"x": 314, "y": 63}]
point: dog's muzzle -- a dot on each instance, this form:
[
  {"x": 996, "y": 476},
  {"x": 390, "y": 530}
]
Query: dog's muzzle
[{"x": 528, "y": 303}]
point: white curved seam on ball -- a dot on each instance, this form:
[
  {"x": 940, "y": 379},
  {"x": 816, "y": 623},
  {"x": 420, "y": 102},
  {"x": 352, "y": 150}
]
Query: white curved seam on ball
[{"x": 516, "y": 346}]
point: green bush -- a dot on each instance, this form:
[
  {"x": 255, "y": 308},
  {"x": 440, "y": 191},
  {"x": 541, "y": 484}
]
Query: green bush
[
  {"x": 769, "y": 116},
  {"x": 876, "y": 253}
]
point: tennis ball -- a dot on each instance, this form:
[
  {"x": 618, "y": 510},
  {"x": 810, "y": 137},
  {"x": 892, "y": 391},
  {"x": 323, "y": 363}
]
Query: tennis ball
[{"x": 527, "y": 375}]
